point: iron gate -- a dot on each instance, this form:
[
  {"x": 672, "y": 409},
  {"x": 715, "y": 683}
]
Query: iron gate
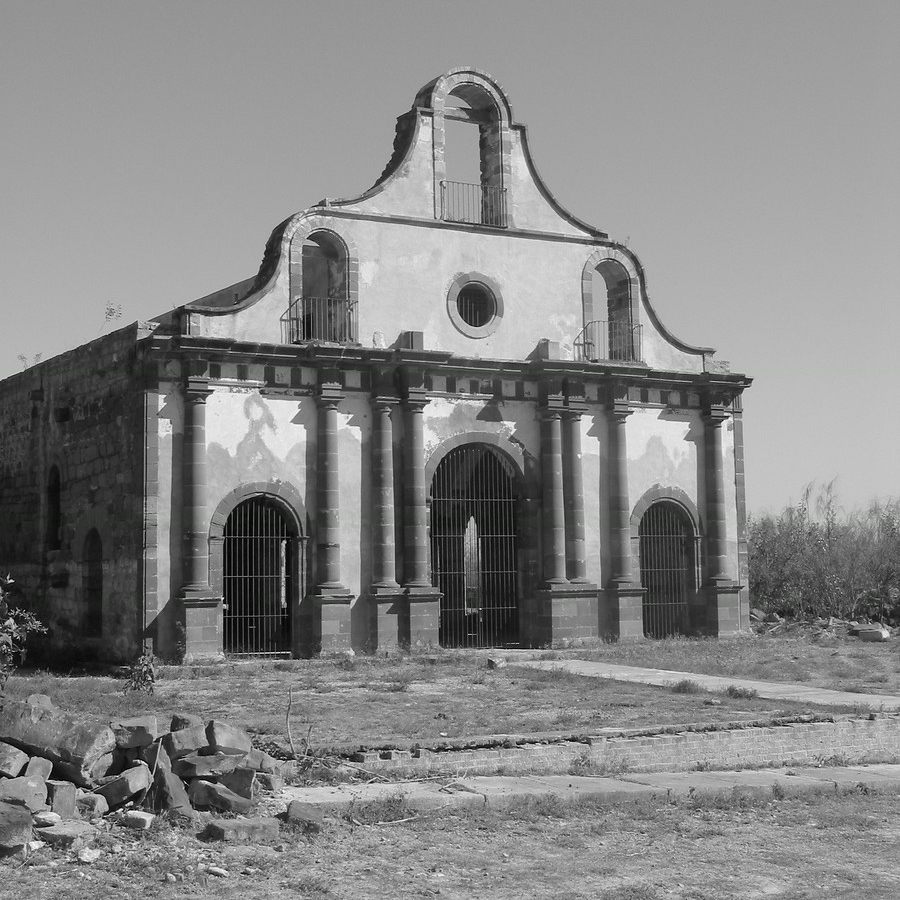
[
  {"x": 667, "y": 569},
  {"x": 474, "y": 548},
  {"x": 259, "y": 557}
]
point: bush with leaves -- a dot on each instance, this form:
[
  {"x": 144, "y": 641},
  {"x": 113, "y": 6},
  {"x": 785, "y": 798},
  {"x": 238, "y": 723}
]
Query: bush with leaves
[
  {"x": 15, "y": 626},
  {"x": 827, "y": 563}
]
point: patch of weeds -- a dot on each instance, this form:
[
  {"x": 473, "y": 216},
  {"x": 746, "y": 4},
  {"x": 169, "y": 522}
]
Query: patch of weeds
[
  {"x": 585, "y": 764},
  {"x": 141, "y": 675},
  {"x": 686, "y": 686},
  {"x": 631, "y": 892},
  {"x": 380, "y": 812},
  {"x": 736, "y": 692},
  {"x": 546, "y": 806},
  {"x": 345, "y": 663},
  {"x": 399, "y": 681},
  {"x": 308, "y": 885},
  {"x": 703, "y": 765}
]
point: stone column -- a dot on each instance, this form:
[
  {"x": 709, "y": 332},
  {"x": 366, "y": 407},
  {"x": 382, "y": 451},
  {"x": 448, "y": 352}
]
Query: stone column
[
  {"x": 553, "y": 500},
  {"x": 576, "y": 563},
  {"x": 332, "y": 599},
  {"x": 723, "y": 594},
  {"x": 387, "y": 609},
  {"x": 424, "y": 599},
  {"x": 625, "y": 612},
  {"x": 201, "y": 612}
]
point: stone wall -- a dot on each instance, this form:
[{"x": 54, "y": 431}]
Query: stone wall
[{"x": 81, "y": 412}]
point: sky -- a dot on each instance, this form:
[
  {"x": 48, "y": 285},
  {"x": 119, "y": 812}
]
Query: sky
[{"x": 747, "y": 152}]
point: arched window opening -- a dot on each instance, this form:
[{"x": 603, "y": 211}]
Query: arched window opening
[
  {"x": 261, "y": 557},
  {"x": 668, "y": 571},
  {"x": 473, "y": 189},
  {"x": 92, "y": 584},
  {"x": 53, "y": 537},
  {"x": 323, "y": 311},
  {"x": 474, "y": 547},
  {"x": 618, "y": 336}
]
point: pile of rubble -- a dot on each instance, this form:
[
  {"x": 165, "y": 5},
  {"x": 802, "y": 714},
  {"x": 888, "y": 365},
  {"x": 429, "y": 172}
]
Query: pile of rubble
[
  {"x": 772, "y": 623},
  {"x": 62, "y": 777}
]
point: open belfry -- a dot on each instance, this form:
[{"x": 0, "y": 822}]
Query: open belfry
[{"x": 442, "y": 413}]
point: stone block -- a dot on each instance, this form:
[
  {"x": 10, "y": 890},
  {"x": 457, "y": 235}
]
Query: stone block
[
  {"x": 12, "y": 760},
  {"x": 46, "y": 818},
  {"x": 213, "y": 765},
  {"x": 305, "y": 815},
  {"x": 168, "y": 792},
  {"x": 242, "y": 781},
  {"x": 121, "y": 788},
  {"x": 269, "y": 782},
  {"x": 104, "y": 766},
  {"x": 137, "y": 819},
  {"x": 225, "y": 738},
  {"x": 39, "y": 767},
  {"x": 185, "y": 740},
  {"x": 139, "y": 731},
  {"x": 67, "y": 835},
  {"x": 61, "y": 798},
  {"x": 72, "y": 744},
  {"x": 156, "y": 757},
  {"x": 91, "y": 806},
  {"x": 180, "y": 721},
  {"x": 15, "y": 827},
  {"x": 243, "y": 830},
  {"x": 209, "y": 795},
  {"x": 28, "y": 790},
  {"x": 262, "y": 762}
]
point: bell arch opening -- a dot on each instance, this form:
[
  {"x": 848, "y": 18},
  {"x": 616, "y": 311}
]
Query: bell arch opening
[{"x": 475, "y": 495}]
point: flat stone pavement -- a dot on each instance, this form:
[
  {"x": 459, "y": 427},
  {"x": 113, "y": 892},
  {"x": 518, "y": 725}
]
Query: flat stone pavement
[
  {"x": 770, "y": 690},
  {"x": 499, "y": 792}
]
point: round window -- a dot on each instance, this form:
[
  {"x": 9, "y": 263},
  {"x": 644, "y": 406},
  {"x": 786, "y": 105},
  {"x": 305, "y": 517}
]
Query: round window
[{"x": 476, "y": 305}]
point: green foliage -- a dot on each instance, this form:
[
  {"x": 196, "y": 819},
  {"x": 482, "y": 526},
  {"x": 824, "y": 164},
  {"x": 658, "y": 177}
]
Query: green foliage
[
  {"x": 15, "y": 626},
  {"x": 740, "y": 693},
  {"x": 828, "y": 563},
  {"x": 141, "y": 675},
  {"x": 686, "y": 686}
]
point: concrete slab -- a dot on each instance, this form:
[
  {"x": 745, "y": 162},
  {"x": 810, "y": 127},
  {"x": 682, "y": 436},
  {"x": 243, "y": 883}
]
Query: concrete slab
[
  {"x": 771, "y": 690},
  {"x": 757, "y": 783}
]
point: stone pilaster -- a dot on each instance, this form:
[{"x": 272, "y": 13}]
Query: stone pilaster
[
  {"x": 331, "y": 599},
  {"x": 387, "y": 599},
  {"x": 423, "y": 598},
  {"x": 624, "y": 596},
  {"x": 201, "y": 608},
  {"x": 722, "y": 592},
  {"x": 554, "y": 511}
]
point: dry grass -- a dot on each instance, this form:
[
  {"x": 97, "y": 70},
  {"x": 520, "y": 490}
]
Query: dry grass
[
  {"x": 844, "y": 664},
  {"x": 377, "y": 701},
  {"x": 824, "y": 848}
]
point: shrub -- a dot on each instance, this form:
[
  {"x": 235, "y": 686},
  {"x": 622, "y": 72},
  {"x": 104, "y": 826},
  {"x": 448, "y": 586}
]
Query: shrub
[
  {"x": 686, "y": 686},
  {"x": 740, "y": 693},
  {"x": 16, "y": 624}
]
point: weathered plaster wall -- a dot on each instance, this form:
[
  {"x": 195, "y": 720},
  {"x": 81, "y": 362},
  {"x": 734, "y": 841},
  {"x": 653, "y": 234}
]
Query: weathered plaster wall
[
  {"x": 81, "y": 411},
  {"x": 595, "y": 469}
]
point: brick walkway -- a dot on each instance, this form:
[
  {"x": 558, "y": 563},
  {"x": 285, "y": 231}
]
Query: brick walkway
[{"x": 771, "y": 690}]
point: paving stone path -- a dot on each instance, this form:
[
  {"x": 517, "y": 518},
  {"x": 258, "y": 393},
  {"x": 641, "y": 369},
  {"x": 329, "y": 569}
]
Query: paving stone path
[
  {"x": 770, "y": 690},
  {"x": 499, "y": 792}
]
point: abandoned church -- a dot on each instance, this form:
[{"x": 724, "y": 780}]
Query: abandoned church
[{"x": 442, "y": 413}]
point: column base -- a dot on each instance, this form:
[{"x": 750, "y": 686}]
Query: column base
[
  {"x": 723, "y": 608},
  {"x": 331, "y": 621},
  {"x": 622, "y": 613},
  {"x": 424, "y": 618},
  {"x": 564, "y": 615},
  {"x": 200, "y": 622},
  {"x": 389, "y": 611}
]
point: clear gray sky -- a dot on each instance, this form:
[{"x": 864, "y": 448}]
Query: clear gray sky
[{"x": 749, "y": 153}]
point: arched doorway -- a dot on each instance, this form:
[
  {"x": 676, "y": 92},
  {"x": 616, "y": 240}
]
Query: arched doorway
[
  {"x": 92, "y": 584},
  {"x": 474, "y": 547},
  {"x": 259, "y": 557},
  {"x": 667, "y": 568}
]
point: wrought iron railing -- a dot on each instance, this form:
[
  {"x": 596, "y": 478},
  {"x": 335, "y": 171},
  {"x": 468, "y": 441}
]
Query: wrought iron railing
[
  {"x": 616, "y": 341},
  {"x": 326, "y": 319},
  {"x": 473, "y": 203}
]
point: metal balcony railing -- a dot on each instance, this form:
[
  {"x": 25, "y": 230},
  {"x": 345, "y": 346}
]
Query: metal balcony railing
[
  {"x": 473, "y": 203},
  {"x": 327, "y": 319},
  {"x": 614, "y": 341}
]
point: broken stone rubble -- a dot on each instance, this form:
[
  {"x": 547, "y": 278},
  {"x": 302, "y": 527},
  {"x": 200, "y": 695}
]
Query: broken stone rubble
[{"x": 100, "y": 767}]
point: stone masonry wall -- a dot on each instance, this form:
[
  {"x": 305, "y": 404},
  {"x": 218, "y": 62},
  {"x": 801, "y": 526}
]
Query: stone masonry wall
[{"x": 81, "y": 411}]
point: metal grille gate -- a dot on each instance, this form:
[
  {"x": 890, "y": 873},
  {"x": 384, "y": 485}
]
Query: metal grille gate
[
  {"x": 259, "y": 557},
  {"x": 667, "y": 569},
  {"x": 474, "y": 558}
]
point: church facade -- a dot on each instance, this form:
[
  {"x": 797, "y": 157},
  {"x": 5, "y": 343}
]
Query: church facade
[{"x": 442, "y": 413}]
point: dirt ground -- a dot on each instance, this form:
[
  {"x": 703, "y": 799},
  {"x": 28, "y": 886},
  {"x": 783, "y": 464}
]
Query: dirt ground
[
  {"x": 376, "y": 701},
  {"x": 815, "y": 848}
]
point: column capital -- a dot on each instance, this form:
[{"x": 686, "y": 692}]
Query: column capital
[
  {"x": 383, "y": 401},
  {"x": 715, "y": 416},
  {"x": 329, "y": 395},
  {"x": 620, "y": 410},
  {"x": 196, "y": 389},
  {"x": 416, "y": 399}
]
